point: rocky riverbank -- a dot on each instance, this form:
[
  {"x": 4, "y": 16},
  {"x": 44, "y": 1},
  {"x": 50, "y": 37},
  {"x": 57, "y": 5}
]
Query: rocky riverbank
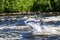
[{"x": 31, "y": 13}]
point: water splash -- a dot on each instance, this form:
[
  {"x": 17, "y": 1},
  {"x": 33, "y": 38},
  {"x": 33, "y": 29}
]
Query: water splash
[{"x": 39, "y": 27}]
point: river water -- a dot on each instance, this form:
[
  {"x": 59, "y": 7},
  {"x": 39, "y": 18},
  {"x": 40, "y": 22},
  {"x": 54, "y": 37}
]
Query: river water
[{"x": 15, "y": 34}]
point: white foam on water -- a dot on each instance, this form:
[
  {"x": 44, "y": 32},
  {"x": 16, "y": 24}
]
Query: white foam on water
[
  {"x": 40, "y": 28},
  {"x": 35, "y": 27},
  {"x": 48, "y": 29},
  {"x": 57, "y": 18}
]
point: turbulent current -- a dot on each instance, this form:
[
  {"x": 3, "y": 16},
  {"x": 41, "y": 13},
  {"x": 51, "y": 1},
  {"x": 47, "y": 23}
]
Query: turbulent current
[{"x": 11, "y": 29}]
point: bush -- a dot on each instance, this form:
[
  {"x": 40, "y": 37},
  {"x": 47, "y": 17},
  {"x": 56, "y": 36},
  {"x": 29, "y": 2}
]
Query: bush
[
  {"x": 29, "y": 5},
  {"x": 18, "y": 5},
  {"x": 55, "y": 5},
  {"x": 12, "y": 5},
  {"x": 2, "y": 2},
  {"x": 42, "y": 5}
]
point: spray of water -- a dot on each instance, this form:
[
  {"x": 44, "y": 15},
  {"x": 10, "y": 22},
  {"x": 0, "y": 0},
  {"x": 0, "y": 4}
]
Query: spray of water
[{"x": 39, "y": 28}]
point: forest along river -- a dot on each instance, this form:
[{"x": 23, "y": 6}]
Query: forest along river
[{"x": 9, "y": 29}]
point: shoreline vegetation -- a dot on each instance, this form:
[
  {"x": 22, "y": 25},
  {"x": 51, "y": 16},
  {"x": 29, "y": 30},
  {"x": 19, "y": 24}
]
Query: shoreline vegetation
[
  {"x": 11, "y": 6},
  {"x": 29, "y": 7}
]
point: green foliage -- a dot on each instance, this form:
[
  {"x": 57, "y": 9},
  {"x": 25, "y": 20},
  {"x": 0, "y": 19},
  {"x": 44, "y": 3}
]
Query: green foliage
[
  {"x": 2, "y": 5},
  {"x": 18, "y": 5},
  {"x": 46, "y": 5},
  {"x": 29, "y": 5},
  {"x": 55, "y": 5},
  {"x": 42, "y": 5},
  {"x": 12, "y": 5}
]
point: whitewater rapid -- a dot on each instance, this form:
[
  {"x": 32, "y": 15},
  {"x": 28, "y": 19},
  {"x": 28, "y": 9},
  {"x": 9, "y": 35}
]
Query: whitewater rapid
[{"x": 38, "y": 28}]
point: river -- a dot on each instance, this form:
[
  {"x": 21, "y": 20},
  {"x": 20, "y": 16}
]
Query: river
[{"x": 15, "y": 34}]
